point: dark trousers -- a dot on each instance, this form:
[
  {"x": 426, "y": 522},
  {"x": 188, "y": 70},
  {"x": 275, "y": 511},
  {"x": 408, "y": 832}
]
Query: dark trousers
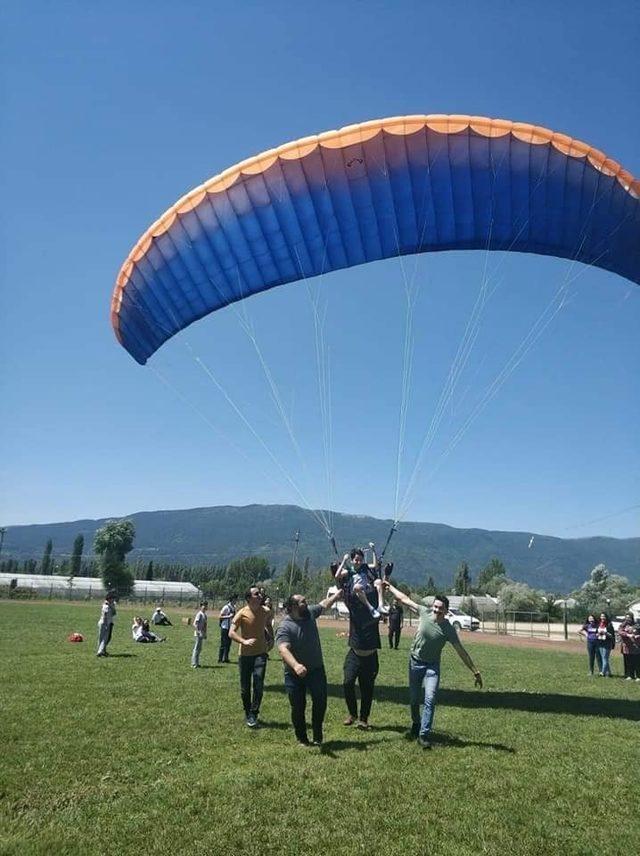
[
  {"x": 314, "y": 682},
  {"x": 364, "y": 670},
  {"x": 394, "y": 637},
  {"x": 592, "y": 648},
  {"x": 631, "y": 665},
  {"x": 225, "y": 646},
  {"x": 252, "y": 668}
]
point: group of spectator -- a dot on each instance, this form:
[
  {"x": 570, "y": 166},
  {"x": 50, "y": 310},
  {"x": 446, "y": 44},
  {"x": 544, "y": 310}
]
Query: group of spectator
[
  {"x": 362, "y": 587},
  {"x": 600, "y": 635}
]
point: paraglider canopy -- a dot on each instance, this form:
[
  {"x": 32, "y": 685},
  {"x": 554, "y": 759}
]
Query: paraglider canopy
[{"x": 381, "y": 189}]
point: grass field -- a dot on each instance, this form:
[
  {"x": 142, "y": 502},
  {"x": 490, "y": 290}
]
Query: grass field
[{"x": 138, "y": 753}]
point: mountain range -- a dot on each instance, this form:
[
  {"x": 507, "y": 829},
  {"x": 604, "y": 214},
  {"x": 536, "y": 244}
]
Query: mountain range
[{"x": 221, "y": 533}]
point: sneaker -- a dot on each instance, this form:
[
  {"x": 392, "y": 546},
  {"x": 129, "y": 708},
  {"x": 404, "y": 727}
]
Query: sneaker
[
  {"x": 316, "y": 742},
  {"x": 195, "y": 666},
  {"x": 303, "y": 742},
  {"x": 423, "y": 742},
  {"x": 361, "y": 725},
  {"x": 349, "y": 721},
  {"x": 628, "y": 679},
  {"x": 251, "y": 720},
  {"x": 637, "y": 679}
]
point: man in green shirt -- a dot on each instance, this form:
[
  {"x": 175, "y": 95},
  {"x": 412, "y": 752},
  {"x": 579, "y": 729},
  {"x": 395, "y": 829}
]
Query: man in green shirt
[{"x": 433, "y": 633}]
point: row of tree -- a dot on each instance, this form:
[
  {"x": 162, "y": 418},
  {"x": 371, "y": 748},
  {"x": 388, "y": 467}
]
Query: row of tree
[
  {"x": 114, "y": 541},
  {"x": 602, "y": 591}
]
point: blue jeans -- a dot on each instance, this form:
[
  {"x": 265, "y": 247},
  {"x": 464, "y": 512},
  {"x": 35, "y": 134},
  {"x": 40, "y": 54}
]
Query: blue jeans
[
  {"x": 428, "y": 674},
  {"x": 593, "y": 650},
  {"x": 197, "y": 648},
  {"x": 605, "y": 652}
]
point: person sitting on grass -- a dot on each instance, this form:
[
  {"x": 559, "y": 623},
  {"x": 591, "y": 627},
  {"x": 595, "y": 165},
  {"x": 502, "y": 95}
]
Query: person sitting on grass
[
  {"x": 159, "y": 617},
  {"x": 359, "y": 579},
  {"x": 141, "y": 633}
]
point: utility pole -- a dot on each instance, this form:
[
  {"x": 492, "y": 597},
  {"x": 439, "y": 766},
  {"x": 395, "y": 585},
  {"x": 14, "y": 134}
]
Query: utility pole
[
  {"x": 296, "y": 541},
  {"x": 3, "y": 529}
]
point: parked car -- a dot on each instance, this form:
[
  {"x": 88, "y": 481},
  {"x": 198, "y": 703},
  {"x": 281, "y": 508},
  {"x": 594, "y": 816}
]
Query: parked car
[{"x": 462, "y": 621}]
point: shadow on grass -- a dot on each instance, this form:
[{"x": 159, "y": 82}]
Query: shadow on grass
[
  {"x": 443, "y": 739},
  {"x": 331, "y": 747},
  {"x": 113, "y": 656},
  {"x": 573, "y": 705},
  {"x": 276, "y": 726}
]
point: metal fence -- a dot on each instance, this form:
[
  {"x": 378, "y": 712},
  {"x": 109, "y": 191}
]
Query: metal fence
[{"x": 68, "y": 593}]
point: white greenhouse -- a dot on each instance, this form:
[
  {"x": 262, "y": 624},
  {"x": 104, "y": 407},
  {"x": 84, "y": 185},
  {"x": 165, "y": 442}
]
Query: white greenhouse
[{"x": 87, "y": 588}]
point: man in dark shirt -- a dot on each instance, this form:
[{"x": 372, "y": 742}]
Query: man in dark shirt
[
  {"x": 298, "y": 642},
  {"x": 361, "y": 662},
  {"x": 396, "y": 620}
]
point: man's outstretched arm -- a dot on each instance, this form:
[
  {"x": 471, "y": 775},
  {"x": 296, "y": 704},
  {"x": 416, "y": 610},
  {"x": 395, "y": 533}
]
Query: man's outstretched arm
[
  {"x": 401, "y": 596},
  {"x": 461, "y": 651},
  {"x": 329, "y": 601}
]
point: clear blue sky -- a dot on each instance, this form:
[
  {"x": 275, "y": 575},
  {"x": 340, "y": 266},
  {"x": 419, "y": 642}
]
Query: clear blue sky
[{"x": 112, "y": 111}]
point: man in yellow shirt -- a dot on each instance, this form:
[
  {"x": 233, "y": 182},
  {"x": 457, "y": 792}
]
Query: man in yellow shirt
[{"x": 248, "y": 629}]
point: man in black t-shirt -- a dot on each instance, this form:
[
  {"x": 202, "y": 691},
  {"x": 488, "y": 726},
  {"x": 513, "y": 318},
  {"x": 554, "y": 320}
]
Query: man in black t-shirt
[
  {"x": 361, "y": 662},
  {"x": 396, "y": 620}
]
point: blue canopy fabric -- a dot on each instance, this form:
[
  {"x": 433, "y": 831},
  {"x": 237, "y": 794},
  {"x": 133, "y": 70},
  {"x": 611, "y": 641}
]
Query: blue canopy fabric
[{"x": 374, "y": 191}]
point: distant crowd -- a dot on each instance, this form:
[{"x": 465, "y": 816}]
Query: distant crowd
[{"x": 600, "y": 635}]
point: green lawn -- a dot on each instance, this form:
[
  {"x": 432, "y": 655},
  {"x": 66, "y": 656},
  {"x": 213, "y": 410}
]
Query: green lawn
[{"x": 138, "y": 753}]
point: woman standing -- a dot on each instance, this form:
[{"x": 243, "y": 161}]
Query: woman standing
[
  {"x": 606, "y": 636},
  {"x": 590, "y": 631},
  {"x": 630, "y": 647}
]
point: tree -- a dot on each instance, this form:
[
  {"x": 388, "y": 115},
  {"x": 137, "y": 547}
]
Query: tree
[
  {"x": 468, "y": 605},
  {"x": 605, "y": 591},
  {"x": 76, "y": 556},
  {"x": 241, "y": 573},
  {"x": 495, "y": 568},
  {"x": 112, "y": 543},
  {"x": 403, "y": 587},
  {"x": 549, "y": 605},
  {"x": 292, "y": 579},
  {"x": 46, "y": 558},
  {"x": 431, "y": 587},
  {"x": 519, "y": 597},
  {"x": 462, "y": 580},
  {"x": 149, "y": 575}
]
